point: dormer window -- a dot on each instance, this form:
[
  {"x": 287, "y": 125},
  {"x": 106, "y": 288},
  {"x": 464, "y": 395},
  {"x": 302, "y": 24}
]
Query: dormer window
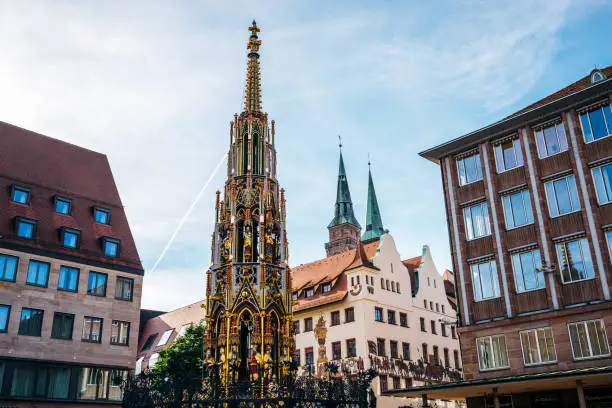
[
  {"x": 597, "y": 76},
  {"x": 25, "y": 228},
  {"x": 295, "y": 296},
  {"x": 110, "y": 246},
  {"x": 309, "y": 292},
  {"x": 70, "y": 237},
  {"x": 326, "y": 287},
  {"x": 62, "y": 205},
  {"x": 20, "y": 195},
  {"x": 101, "y": 215}
]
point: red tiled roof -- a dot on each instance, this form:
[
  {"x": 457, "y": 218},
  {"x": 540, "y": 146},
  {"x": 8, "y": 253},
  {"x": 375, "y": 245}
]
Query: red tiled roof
[
  {"x": 412, "y": 265},
  {"x": 175, "y": 319},
  {"x": 50, "y": 167},
  {"x": 570, "y": 89},
  {"x": 328, "y": 269}
]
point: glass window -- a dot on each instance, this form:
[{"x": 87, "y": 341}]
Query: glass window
[
  {"x": 70, "y": 237},
  {"x": 349, "y": 315},
  {"x": 380, "y": 347},
  {"x": 393, "y": 349},
  {"x": 443, "y": 330},
  {"x": 603, "y": 184},
  {"x": 575, "y": 260},
  {"x": 309, "y": 353},
  {"x": 110, "y": 247},
  {"x": 100, "y": 384},
  {"x": 117, "y": 379},
  {"x": 406, "y": 351},
  {"x": 551, "y": 140},
  {"x": 433, "y": 327},
  {"x": 484, "y": 279},
  {"x": 403, "y": 319},
  {"x": 149, "y": 342},
  {"x": 296, "y": 327},
  {"x": 138, "y": 368},
  {"x": 423, "y": 324},
  {"x": 425, "y": 352},
  {"x": 47, "y": 382},
  {"x": 20, "y": 195},
  {"x": 335, "y": 318},
  {"x": 38, "y": 273},
  {"x": 124, "y": 288},
  {"x": 351, "y": 348},
  {"x": 96, "y": 286},
  {"x": 477, "y": 221},
  {"x": 120, "y": 333},
  {"x": 62, "y": 205},
  {"x": 517, "y": 209},
  {"x": 153, "y": 360},
  {"x": 308, "y": 324},
  {"x": 391, "y": 316},
  {"x": 92, "y": 329},
  {"x": 378, "y": 314},
  {"x": 5, "y": 313},
  {"x": 508, "y": 155},
  {"x": 588, "y": 339},
  {"x": 470, "y": 169},
  {"x": 492, "y": 352},
  {"x": 25, "y": 228},
  {"x": 528, "y": 274},
  {"x": 326, "y": 287},
  {"x": 182, "y": 331},
  {"x": 384, "y": 387},
  {"x": 562, "y": 196},
  {"x": 8, "y": 267},
  {"x": 538, "y": 346},
  {"x": 336, "y": 350},
  {"x": 68, "y": 278},
  {"x": 596, "y": 123},
  {"x": 62, "y": 326},
  {"x": 101, "y": 215},
  {"x": 31, "y": 322},
  {"x": 309, "y": 292},
  {"x": 165, "y": 337}
]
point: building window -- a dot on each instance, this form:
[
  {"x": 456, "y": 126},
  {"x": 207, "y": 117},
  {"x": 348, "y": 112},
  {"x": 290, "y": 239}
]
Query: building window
[
  {"x": 484, "y": 279},
  {"x": 597, "y": 76},
  {"x": 562, "y": 196},
  {"x": 309, "y": 292},
  {"x": 378, "y": 314},
  {"x": 38, "y": 274},
  {"x": 150, "y": 340},
  {"x": 25, "y": 228},
  {"x": 403, "y": 319},
  {"x": 92, "y": 329},
  {"x": 96, "y": 286},
  {"x": 425, "y": 353},
  {"x": 436, "y": 355},
  {"x": 575, "y": 260},
  {"x": 336, "y": 350},
  {"x": 437, "y": 304},
  {"x": 163, "y": 340},
  {"x": 456, "y": 358},
  {"x": 443, "y": 309},
  {"x": 406, "y": 351},
  {"x": 425, "y": 303},
  {"x": 40, "y": 381},
  {"x": 603, "y": 184},
  {"x": 20, "y": 195},
  {"x": 470, "y": 169},
  {"x": 596, "y": 123},
  {"x": 326, "y": 287},
  {"x": 68, "y": 279},
  {"x": 153, "y": 360},
  {"x": 492, "y": 352},
  {"x": 453, "y": 332},
  {"x": 335, "y": 318},
  {"x": 431, "y": 305},
  {"x": 120, "y": 333},
  {"x": 31, "y": 322},
  {"x": 446, "y": 358},
  {"x": 309, "y": 354},
  {"x": 391, "y": 316},
  {"x": 110, "y": 246},
  {"x": 5, "y": 313},
  {"x": 383, "y": 383},
  {"x": 70, "y": 237},
  {"x": 433, "y": 327},
  {"x": 538, "y": 346},
  {"x": 382, "y": 283},
  {"x": 349, "y": 315},
  {"x": 124, "y": 288},
  {"x": 423, "y": 324},
  {"x": 508, "y": 155},
  {"x": 8, "y": 267},
  {"x": 308, "y": 324},
  {"x": 62, "y": 326},
  {"x": 443, "y": 329},
  {"x": 396, "y": 383},
  {"x": 477, "y": 221},
  {"x": 397, "y": 287},
  {"x": 101, "y": 215},
  {"x": 551, "y": 140},
  {"x": 62, "y": 205},
  {"x": 380, "y": 347},
  {"x": 296, "y": 327},
  {"x": 517, "y": 209},
  {"x": 527, "y": 268},
  {"x": 351, "y": 348},
  {"x": 295, "y": 357},
  {"x": 588, "y": 339},
  {"x": 393, "y": 349}
]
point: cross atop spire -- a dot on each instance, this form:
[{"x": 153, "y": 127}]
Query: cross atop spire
[
  {"x": 374, "y": 226},
  {"x": 252, "y": 93}
]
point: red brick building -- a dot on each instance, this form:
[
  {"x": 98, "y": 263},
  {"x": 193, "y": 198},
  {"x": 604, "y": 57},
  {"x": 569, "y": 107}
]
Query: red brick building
[
  {"x": 70, "y": 275},
  {"x": 530, "y": 224}
]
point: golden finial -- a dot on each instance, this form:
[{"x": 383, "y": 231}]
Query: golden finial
[{"x": 254, "y": 42}]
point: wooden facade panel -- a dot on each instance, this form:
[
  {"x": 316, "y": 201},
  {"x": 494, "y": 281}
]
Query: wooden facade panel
[
  {"x": 532, "y": 301},
  {"x": 521, "y": 236},
  {"x": 470, "y": 192},
  {"x": 479, "y": 247},
  {"x": 579, "y": 292},
  {"x": 566, "y": 224},
  {"x": 555, "y": 164},
  {"x": 511, "y": 178},
  {"x": 488, "y": 309},
  {"x": 598, "y": 149}
]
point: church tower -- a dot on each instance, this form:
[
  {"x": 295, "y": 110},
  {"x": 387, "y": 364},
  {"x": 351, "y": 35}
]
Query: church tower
[
  {"x": 374, "y": 227},
  {"x": 248, "y": 284},
  {"x": 344, "y": 228}
]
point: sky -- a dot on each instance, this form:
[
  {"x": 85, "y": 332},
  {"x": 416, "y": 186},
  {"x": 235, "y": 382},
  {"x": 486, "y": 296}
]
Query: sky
[{"x": 154, "y": 85}]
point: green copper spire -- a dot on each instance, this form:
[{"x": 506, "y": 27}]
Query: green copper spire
[
  {"x": 344, "y": 205},
  {"x": 374, "y": 226}
]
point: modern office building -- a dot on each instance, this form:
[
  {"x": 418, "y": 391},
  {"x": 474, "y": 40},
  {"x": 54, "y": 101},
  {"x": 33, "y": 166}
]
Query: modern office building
[
  {"x": 70, "y": 275},
  {"x": 530, "y": 222}
]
